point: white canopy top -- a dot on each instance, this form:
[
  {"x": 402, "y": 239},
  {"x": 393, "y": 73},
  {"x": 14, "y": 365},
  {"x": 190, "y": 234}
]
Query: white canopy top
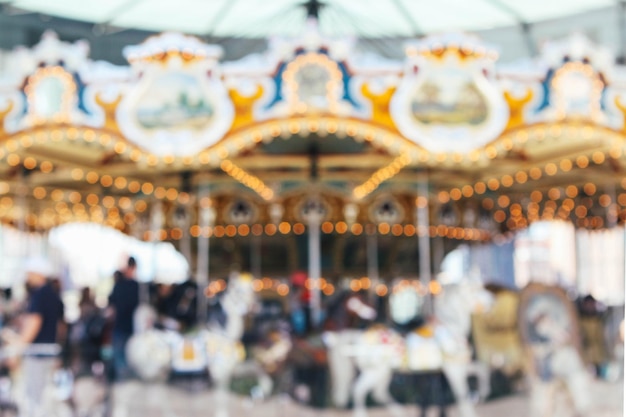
[{"x": 261, "y": 18}]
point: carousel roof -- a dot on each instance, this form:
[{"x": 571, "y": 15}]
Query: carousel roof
[
  {"x": 226, "y": 18},
  {"x": 501, "y": 147}
]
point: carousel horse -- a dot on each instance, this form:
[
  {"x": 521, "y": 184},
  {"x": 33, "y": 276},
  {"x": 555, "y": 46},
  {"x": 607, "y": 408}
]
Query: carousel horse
[
  {"x": 153, "y": 353},
  {"x": 148, "y": 351},
  {"x": 342, "y": 330},
  {"x": 558, "y": 371},
  {"x": 443, "y": 345},
  {"x": 89, "y": 394},
  {"x": 225, "y": 352},
  {"x": 271, "y": 354}
]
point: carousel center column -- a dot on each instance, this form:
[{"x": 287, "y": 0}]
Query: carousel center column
[
  {"x": 22, "y": 205},
  {"x": 156, "y": 225},
  {"x": 314, "y": 214},
  {"x": 206, "y": 221},
  {"x": 423, "y": 240}
]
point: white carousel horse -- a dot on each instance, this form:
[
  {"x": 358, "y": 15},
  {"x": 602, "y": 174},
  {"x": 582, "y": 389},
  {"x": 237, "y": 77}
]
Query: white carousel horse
[
  {"x": 149, "y": 354},
  {"x": 574, "y": 391},
  {"x": 561, "y": 374},
  {"x": 342, "y": 367},
  {"x": 148, "y": 351},
  {"x": 380, "y": 350},
  {"x": 152, "y": 353},
  {"x": 225, "y": 352}
]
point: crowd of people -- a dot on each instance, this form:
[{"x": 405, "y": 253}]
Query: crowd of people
[
  {"x": 37, "y": 340},
  {"x": 36, "y": 337},
  {"x": 32, "y": 347}
]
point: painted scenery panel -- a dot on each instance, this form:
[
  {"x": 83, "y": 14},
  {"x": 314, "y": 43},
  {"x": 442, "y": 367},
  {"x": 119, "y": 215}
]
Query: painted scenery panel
[
  {"x": 312, "y": 84},
  {"x": 450, "y": 97},
  {"x": 48, "y": 97},
  {"x": 174, "y": 101}
]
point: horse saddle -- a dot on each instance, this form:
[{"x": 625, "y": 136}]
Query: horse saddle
[
  {"x": 423, "y": 352},
  {"x": 221, "y": 348},
  {"x": 426, "y": 331},
  {"x": 188, "y": 355}
]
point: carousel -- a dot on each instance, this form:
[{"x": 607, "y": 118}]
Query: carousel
[{"x": 380, "y": 220}]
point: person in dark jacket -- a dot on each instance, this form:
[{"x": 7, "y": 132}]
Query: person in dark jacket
[
  {"x": 123, "y": 302},
  {"x": 92, "y": 328},
  {"x": 37, "y": 337}
]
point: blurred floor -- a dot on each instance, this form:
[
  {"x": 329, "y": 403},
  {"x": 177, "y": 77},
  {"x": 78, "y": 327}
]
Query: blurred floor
[{"x": 135, "y": 399}]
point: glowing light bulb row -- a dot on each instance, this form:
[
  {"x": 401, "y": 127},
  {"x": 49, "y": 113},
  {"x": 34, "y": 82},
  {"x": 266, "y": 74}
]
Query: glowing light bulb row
[
  {"x": 259, "y": 284},
  {"x": 231, "y": 230},
  {"x": 333, "y": 85},
  {"x": 63, "y": 213},
  {"x": 249, "y": 180},
  {"x": 161, "y": 56},
  {"x": 92, "y": 177},
  {"x": 440, "y": 50},
  {"x": 232, "y": 144},
  {"x": 565, "y": 193},
  {"x": 282, "y": 288},
  {"x": 95, "y": 209},
  {"x": 215, "y": 287},
  {"x": 523, "y": 176},
  {"x": 124, "y": 211},
  {"x": 67, "y": 99},
  {"x": 13, "y": 159},
  {"x": 381, "y": 176},
  {"x": 612, "y": 139},
  {"x": 110, "y": 140},
  {"x": 568, "y": 210},
  {"x": 578, "y": 69},
  {"x": 433, "y": 287}
]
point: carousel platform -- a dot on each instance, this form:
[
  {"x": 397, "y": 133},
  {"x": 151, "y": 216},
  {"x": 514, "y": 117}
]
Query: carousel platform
[{"x": 134, "y": 398}]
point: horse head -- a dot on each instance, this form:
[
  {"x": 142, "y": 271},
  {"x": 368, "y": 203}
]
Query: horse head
[
  {"x": 239, "y": 298},
  {"x": 144, "y": 318},
  {"x": 458, "y": 301},
  {"x": 347, "y": 310},
  {"x": 149, "y": 355}
]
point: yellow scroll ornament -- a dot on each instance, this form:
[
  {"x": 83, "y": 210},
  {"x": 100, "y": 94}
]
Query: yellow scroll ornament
[
  {"x": 380, "y": 106},
  {"x": 516, "y": 108},
  {"x": 244, "y": 105},
  {"x": 109, "y": 108},
  {"x": 3, "y": 114}
]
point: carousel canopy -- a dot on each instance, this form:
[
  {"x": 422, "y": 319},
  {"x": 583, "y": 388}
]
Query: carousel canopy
[
  {"x": 83, "y": 139},
  {"x": 178, "y": 141},
  {"x": 287, "y": 17},
  {"x": 518, "y": 28}
]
